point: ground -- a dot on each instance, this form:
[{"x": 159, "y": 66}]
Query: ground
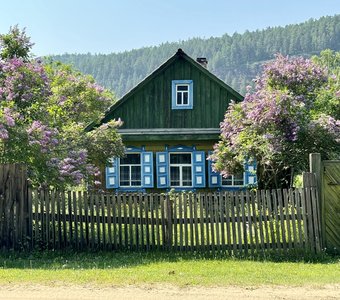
[{"x": 38, "y": 292}]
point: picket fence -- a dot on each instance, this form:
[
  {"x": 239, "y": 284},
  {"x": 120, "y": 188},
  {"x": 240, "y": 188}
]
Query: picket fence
[{"x": 237, "y": 222}]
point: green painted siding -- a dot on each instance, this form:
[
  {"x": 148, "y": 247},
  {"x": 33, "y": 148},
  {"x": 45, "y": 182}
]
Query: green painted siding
[{"x": 150, "y": 105}]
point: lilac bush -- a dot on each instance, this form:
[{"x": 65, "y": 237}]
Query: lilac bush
[
  {"x": 277, "y": 123},
  {"x": 44, "y": 109}
]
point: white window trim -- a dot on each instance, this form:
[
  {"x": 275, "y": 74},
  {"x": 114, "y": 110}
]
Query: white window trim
[
  {"x": 181, "y": 173},
  {"x": 182, "y": 93},
  {"x": 131, "y": 165},
  {"x": 233, "y": 181}
]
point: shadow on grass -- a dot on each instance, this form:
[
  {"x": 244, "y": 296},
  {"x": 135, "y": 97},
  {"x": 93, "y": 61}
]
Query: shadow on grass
[{"x": 54, "y": 260}]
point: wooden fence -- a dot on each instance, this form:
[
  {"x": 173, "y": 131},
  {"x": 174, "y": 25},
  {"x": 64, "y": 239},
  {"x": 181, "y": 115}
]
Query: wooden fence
[{"x": 239, "y": 222}]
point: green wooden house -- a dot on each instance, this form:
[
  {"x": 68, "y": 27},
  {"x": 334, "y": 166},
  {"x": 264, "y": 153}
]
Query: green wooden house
[{"x": 171, "y": 122}]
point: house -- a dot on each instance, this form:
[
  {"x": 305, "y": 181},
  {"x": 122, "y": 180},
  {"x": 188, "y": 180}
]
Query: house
[{"x": 171, "y": 122}]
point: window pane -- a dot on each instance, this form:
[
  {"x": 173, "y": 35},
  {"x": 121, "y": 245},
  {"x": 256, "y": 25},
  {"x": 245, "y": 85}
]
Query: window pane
[
  {"x": 124, "y": 173},
  {"x": 135, "y": 172},
  {"x": 179, "y": 98},
  {"x": 174, "y": 176},
  {"x": 130, "y": 159},
  {"x": 185, "y": 99},
  {"x": 182, "y": 87},
  {"x": 238, "y": 179},
  {"x": 186, "y": 176},
  {"x": 180, "y": 158},
  {"x": 227, "y": 180}
]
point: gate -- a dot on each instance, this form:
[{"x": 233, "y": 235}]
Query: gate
[
  {"x": 331, "y": 204},
  {"x": 15, "y": 205}
]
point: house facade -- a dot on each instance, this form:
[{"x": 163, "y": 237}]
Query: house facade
[{"x": 170, "y": 124}]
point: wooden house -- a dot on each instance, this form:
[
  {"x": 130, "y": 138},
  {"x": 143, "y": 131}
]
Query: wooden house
[{"x": 171, "y": 122}]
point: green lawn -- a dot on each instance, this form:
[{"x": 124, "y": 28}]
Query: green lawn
[{"x": 117, "y": 269}]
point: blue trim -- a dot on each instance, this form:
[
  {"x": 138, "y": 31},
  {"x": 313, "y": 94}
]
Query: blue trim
[
  {"x": 112, "y": 174},
  {"x": 147, "y": 169},
  {"x": 174, "y": 105},
  {"x": 250, "y": 172},
  {"x": 147, "y": 179},
  {"x": 198, "y": 166},
  {"x": 214, "y": 180},
  {"x": 162, "y": 166}
]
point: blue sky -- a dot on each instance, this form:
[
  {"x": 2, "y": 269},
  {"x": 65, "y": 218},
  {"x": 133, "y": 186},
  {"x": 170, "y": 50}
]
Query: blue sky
[{"x": 104, "y": 26}]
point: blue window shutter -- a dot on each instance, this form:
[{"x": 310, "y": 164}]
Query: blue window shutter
[
  {"x": 111, "y": 174},
  {"x": 162, "y": 164},
  {"x": 250, "y": 169},
  {"x": 199, "y": 169},
  {"x": 214, "y": 177},
  {"x": 147, "y": 169}
]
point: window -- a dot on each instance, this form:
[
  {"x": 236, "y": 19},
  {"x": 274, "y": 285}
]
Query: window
[
  {"x": 180, "y": 170},
  {"x": 233, "y": 180},
  {"x": 130, "y": 170},
  {"x": 182, "y": 94}
]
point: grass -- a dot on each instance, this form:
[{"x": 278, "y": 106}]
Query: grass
[{"x": 120, "y": 269}]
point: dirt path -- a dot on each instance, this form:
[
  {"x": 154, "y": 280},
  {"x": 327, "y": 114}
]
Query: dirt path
[{"x": 38, "y": 292}]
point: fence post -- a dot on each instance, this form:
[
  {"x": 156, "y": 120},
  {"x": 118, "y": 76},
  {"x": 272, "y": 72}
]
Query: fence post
[{"x": 315, "y": 166}]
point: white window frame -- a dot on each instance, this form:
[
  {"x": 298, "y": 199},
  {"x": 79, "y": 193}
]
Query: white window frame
[
  {"x": 130, "y": 173},
  {"x": 233, "y": 181},
  {"x": 181, "y": 171},
  {"x": 182, "y": 94}
]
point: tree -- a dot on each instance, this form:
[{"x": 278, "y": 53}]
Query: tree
[
  {"x": 44, "y": 109},
  {"x": 328, "y": 99},
  {"x": 15, "y": 44},
  {"x": 278, "y": 124}
]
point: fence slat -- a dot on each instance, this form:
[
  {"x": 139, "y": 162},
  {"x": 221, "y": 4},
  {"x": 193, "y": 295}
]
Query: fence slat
[
  {"x": 109, "y": 221},
  {"x": 265, "y": 218},
  {"x": 53, "y": 225},
  {"x": 292, "y": 214},
  {"x": 245, "y": 224},
  {"x": 191, "y": 221},
  {"x": 217, "y": 220},
  {"x": 298, "y": 214},
  {"x": 136, "y": 219},
  {"x": 270, "y": 219},
  {"x": 175, "y": 206},
  {"x": 238, "y": 222},
  {"x": 250, "y": 223},
  {"x": 202, "y": 240},
  {"x": 282, "y": 220},
  {"x": 277, "y": 221},
  {"x": 287, "y": 217},
  {"x": 103, "y": 218}
]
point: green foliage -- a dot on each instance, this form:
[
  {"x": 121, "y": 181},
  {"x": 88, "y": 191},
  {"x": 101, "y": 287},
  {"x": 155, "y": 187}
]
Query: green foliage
[
  {"x": 15, "y": 44},
  {"x": 328, "y": 100},
  {"x": 236, "y": 59}
]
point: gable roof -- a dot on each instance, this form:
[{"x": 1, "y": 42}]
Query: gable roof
[{"x": 179, "y": 54}]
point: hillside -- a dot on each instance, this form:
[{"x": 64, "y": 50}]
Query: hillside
[{"x": 235, "y": 59}]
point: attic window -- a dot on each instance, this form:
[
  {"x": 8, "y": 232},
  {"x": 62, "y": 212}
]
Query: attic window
[{"x": 182, "y": 94}]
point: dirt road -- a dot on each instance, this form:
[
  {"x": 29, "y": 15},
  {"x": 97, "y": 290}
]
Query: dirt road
[{"x": 69, "y": 292}]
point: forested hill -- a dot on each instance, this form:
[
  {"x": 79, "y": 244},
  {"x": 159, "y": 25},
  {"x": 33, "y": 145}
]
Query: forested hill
[{"x": 235, "y": 59}]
